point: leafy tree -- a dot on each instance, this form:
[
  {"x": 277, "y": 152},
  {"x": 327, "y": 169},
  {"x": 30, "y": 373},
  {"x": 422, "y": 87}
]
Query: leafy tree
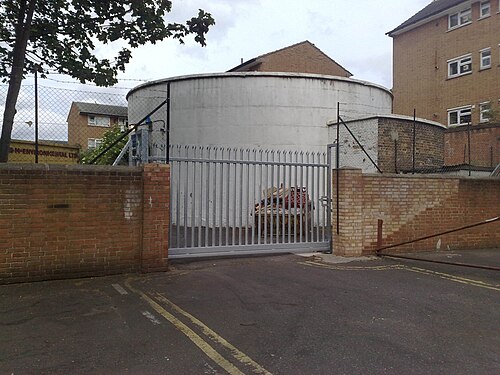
[
  {"x": 109, "y": 157},
  {"x": 62, "y": 35}
]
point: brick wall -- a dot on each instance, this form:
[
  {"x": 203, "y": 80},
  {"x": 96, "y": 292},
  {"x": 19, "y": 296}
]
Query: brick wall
[
  {"x": 75, "y": 221},
  {"x": 420, "y": 64},
  {"x": 484, "y": 145},
  {"x": 300, "y": 58},
  {"x": 428, "y": 145},
  {"x": 412, "y": 207}
]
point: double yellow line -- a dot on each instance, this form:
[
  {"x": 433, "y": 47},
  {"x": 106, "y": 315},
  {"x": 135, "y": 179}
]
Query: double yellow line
[
  {"x": 442, "y": 275},
  {"x": 237, "y": 355}
]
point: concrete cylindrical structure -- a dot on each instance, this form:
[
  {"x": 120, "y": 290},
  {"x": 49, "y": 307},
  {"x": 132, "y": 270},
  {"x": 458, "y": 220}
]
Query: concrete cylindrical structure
[{"x": 257, "y": 110}]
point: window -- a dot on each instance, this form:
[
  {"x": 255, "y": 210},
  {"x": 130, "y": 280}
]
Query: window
[
  {"x": 459, "y": 19},
  {"x": 459, "y": 116},
  {"x": 460, "y": 66},
  {"x": 123, "y": 124},
  {"x": 94, "y": 142},
  {"x": 485, "y": 57},
  {"x": 484, "y": 112},
  {"x": 99, "y": 121},
  {"x": 485, "y": 9}
]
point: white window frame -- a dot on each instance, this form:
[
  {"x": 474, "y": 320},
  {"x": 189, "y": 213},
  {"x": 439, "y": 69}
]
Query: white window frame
[
  {"x": 461, "y": 113},
  {"x": 101, "y": 121},
  {"x": 485, "y": 58},
  {"x": 461, "y": 62},
  {"x": 460, "y": 15},
  {"x": 483, "y": 7},
  {"x": 93, "y": 143},
  {"x": 484, "y": 108}
]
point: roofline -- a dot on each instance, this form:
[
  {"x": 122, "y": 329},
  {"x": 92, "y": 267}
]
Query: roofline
[
  {"x": 394, "y": 117},
  {"x": 258, "y": 59},
  {"x": 433, "y": 16},
  {"x": 257, "y": 75}
]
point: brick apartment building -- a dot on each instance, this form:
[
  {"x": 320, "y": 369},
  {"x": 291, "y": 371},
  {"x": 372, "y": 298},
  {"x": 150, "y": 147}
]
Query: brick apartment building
[
  {"x": 446, "y": 64},
  {"x": 87, "y": 122},
  {"x": 303, "y": 57}
]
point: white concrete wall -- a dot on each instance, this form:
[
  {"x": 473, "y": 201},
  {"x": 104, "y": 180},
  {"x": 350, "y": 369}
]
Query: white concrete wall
[
  {"x": 273, "y": 110},
  {"x": 351, "y": 155}
]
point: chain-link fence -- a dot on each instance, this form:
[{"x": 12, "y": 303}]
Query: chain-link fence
[{"x": 72, "y": 122}]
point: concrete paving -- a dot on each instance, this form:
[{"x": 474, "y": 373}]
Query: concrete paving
[{"x": 272, "y": 315}]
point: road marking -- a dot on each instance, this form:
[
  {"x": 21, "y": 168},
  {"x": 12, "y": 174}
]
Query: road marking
[
  {"x": 119, "y": 289},
  {"x": 447, "y": 276},
  {"x": 195, "y": 338},
  {"x": 151, "y": 317},
  {"x": 235, "y": 352}
]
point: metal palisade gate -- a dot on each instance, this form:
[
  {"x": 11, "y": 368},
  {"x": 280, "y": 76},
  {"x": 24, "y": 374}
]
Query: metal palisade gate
[{"x": 228, "y": 201}]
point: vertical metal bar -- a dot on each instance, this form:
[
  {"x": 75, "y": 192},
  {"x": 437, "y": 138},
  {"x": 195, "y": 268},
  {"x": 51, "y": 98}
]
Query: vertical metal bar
[
  {"x": 214, "y": 199},
  {"x": 248, "y": 205},
  {"x": 316, "y": 204},
  {"x": 337, "y": 167},
  {"x": 167, "y": 156},
  {"x": 277, "y": 198},
  {"x": 259, "y": 228},
  {"x": 193, "y": 203},
  {"x": 468, "y": 146},
  {"x": 200, "y": 213},
  {"x": 323, "y": 187},
  {"x": 289, "y": 197},
  {"x": 307, "y": 210},
  {"x": 186, "y": 194},
  {"x": 242, "y": 170},
  {"x": 254, "y": 206},
  {"x": 221, "y": 200},
  {"x": 318, "y": 189},
  {"x": 179, "y": 164},
  {"x": 283, "y": 198},
  {"x": 208, "y": 186},
  {"x": 235, "y": 206},
  {"x": 228, "y": 196},
  {"x": 266, "y": 194},
  {"x": 414, "y": 137},
  {"x": 36, "y": 114},
  {"x": 271, "y": 203},
  {"x": 301, "y": 204},
  {"x": 296, "y": 179}
]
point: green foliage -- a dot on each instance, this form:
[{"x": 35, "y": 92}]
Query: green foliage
[
  {"x": 64, "y": 34},
  {"x": 110, "y": 156}
]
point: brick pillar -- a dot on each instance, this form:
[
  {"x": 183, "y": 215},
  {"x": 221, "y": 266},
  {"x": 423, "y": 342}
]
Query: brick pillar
[
  {"x": 349, "y": 241},
  {"x": 156, "y": 217}
]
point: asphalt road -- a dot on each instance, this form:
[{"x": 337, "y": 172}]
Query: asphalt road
[{"x": 277, "y": 315}]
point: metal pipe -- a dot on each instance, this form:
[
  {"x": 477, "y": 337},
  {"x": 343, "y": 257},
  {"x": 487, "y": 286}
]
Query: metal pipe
[
  {"x": 468, "y": 146},
  {"x": 360, "y": 145},
  {"x": 438, "y": 234},
  {"x": 133, "y": 128},
  {"x": 414, "y": 138},
  {"x": 36, "y": 115},
  {"x": 337, "y": 167},
  {"x": 442, "y": 262}
]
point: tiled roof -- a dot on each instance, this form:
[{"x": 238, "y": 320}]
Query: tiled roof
[
  {"x": 436, "y": 7},
  {"x": 102, "y": 109}
]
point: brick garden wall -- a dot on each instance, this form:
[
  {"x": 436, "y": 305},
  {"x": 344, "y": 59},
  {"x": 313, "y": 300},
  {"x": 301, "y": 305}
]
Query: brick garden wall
[
  {"x": 484, "y": 149},
  {"x": 75, "y": 221},
  {"x": 412, "y": 207}
]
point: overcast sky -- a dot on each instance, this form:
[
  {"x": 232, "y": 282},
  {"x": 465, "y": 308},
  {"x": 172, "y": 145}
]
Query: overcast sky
[{"x": 350, "y": 32}]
